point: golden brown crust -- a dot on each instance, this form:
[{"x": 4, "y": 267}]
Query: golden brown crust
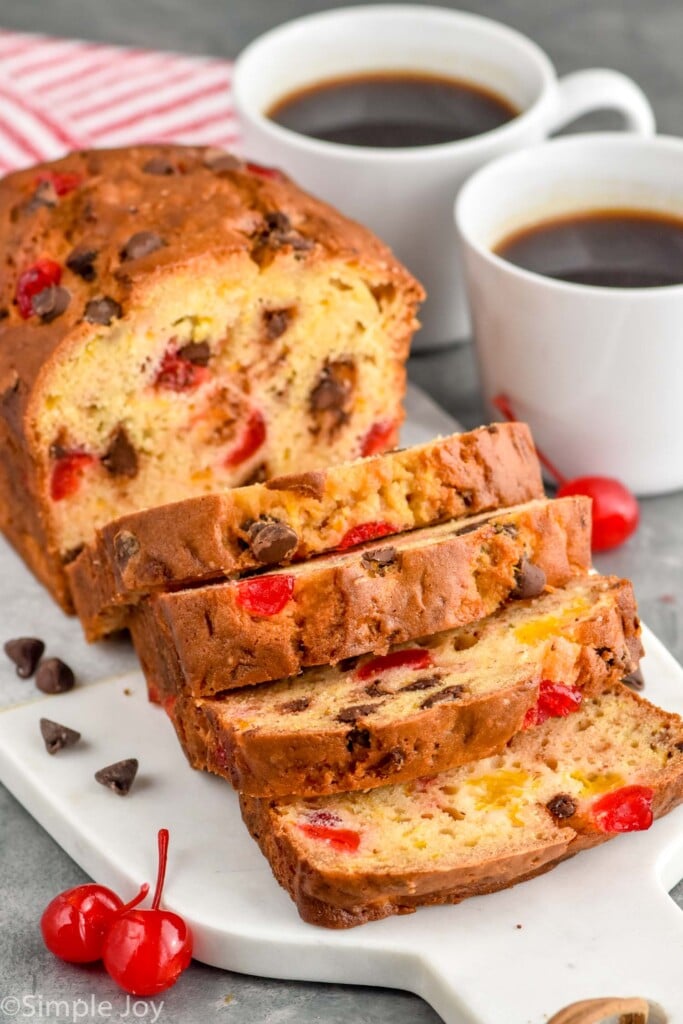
[
  {"x": 278, "y": 762},
  {"x": 208, "y": 537},
  {"x": 200, "y": 210},
  {"x": 341, "y": 899},
  {"x": 342, "y": 606}
]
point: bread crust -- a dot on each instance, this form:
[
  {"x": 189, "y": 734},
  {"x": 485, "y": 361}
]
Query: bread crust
[
  {"x": 207, "y": 538},
  {"x": 278, "y": 762},
  {"x": 335, "y": 899},
  {"x": 343, "y": 607},
  {"x": 206, "y": 214}
]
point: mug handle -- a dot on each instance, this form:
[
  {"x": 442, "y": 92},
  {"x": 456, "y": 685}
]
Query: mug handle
[{"x": 584, "y": 92}]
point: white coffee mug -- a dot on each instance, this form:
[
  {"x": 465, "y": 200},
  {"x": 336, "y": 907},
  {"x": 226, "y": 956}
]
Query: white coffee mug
[
  {"x": 406, "y": 195},
  {"x": 597, "y": 372}
]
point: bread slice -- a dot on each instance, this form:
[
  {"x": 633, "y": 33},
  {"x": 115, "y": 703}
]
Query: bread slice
[
  {"x": 175, "y": 321},
  {"x": 209, "y": 639},
  {"x": 452, "y": 698},
  {"x": 294, "y": 517},
  {"x": 558, "y": 788}
]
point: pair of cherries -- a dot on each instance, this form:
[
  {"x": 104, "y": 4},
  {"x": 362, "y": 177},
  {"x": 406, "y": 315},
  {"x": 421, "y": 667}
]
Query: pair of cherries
[{"x": 144, "y": 951}]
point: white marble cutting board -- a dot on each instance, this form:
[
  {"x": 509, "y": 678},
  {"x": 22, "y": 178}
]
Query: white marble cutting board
[{"x": 601, "y": 924}]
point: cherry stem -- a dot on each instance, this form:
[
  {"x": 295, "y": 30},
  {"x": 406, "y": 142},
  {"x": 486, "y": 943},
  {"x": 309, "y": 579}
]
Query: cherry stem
[
  {"x": 502, "y": 404},
  {"x": 144, "y": 889},
  {"x": 161, "y": 871}
]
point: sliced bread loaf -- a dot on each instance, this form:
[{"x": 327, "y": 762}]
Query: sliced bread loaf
[
  {"x": 558, "y": 788},
  {"x": 209, "y": 639},
  {"x": 293, "y": 517},
  {"x": 452, "y": 698},
  {"x": 176, "y": 321}
]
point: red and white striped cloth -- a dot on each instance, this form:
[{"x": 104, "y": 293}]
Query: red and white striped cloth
[{"x": 62, "y": 94}]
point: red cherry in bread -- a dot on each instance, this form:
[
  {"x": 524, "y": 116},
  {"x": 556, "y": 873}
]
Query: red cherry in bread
[
  {"x": 365, "y": 531},
  {"x": 146, "y": 951},
  {"x": 555, "y": 700},
  {"x": 35, "y": 279},
  {"x": 615, "y": 509},
  {"x": 379, "y": 437},
  {"x": 628, "y": 809},
  {"x": 67, "y": 472},
  {"x": 344, "y": 839},
  {"x": 253, "y": 437},
  {"x": 261, "y": 171},
  {"x": 265, "y": 595},
  {"x": 75, "y": 923},
  {"x": 62, "y": 183},
  {"x": 414, "y": 657}
]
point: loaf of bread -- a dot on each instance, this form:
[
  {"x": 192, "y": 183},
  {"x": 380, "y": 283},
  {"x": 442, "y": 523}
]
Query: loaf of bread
[
  {"x": 558, "y": 788},
  {"x": 204, "y": 640},
  {"x": 173, "y": 322},
  {"x": 294, "y": 517},
  {"x": 422, "y": 708}
]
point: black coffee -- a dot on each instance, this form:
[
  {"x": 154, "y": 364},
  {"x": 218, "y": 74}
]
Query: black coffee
[
  {"x": 392, "y": 110},
  {"x": 610, "y": 248}
]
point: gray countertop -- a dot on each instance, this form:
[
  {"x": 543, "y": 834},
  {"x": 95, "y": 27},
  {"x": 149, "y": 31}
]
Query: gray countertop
[{"x": 643, "y": 40}]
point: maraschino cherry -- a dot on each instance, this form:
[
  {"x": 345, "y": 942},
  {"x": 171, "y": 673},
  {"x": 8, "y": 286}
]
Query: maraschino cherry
[
  {"x": 146, "y": 951},
  {"x": 75, "y": 923},
  {"x": 615, "y": 509}
]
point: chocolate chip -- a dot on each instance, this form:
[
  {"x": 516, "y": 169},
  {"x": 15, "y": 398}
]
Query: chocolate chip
[
  {"x": 562, "y": 806},
  {"x": 358, "y": 738},
  {"x": 54, "y": 676},
  {"x": 350, "y": 714},
  {"x": 81, "y": 261},
  {"x": 331, "y": 399},
  {"x": 276, "y": 220},
  {"x": 277, "y": 233},
  {"x": 43, "y": 197},
  {"x": 25, "y": 652},
  {"x": 294, "y": 706},
  {"x": 530, "y": 580},
  {"x": 423, "y": 683},
  {"x": 309, "y": 485},
  {"x": 449, "y": 693},
  {"x": 257, "y": 476},
  {"x": 57, "y": 736},
  {"x": 375, "y": 689},
  {"x": 118, "y": 777},
  {"x": 272, "y": 541},
  {"x": 102, "y": 310},
  {"x": 159, "y": 165},
  {"x": 391, "y": 762},
  {"x": 679, "y": 746},
  {"x": 217, "y": 160},
  {"x": 121, "y": 459},
  {"x": 50, "y": 303},
  {"x": 378, "y": 558},
  {"x": 196, "y": 352},
  {"x": 635, "y": 680},
  {"x": 4, "y": 312},
  {"x": 142, "y": 243},
  {"x": 276, "y": 322},
  {"x": 333, "y": 388},
  {"x": 126, "y": 545}
]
